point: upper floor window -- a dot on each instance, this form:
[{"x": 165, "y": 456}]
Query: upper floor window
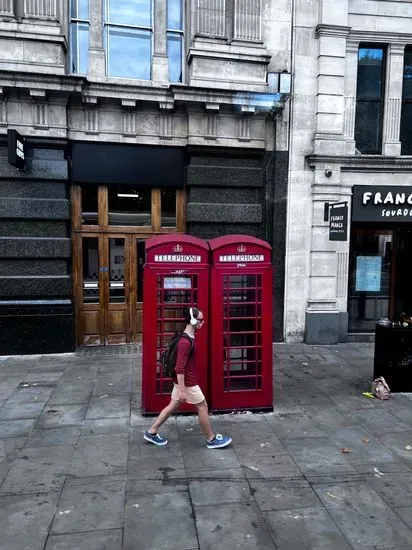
[
  {"x": 230, "y": 19},
  {"x": 370, "y": 99},
  {"x": 175, "y": 39},
  {"x": 406, "y": 116},
  {"x": 79, "y": 36},
  {"x": 128, "y": 38}
]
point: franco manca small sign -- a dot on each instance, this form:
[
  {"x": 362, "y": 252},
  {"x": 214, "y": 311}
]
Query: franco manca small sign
[{"x": 337, "y": 214}]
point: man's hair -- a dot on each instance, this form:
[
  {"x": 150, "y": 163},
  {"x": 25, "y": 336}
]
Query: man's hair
[{"x": 186, "y": 314}]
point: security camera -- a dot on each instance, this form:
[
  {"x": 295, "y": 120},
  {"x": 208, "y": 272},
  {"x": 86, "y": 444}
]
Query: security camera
[{"x": 328, "y": 173}]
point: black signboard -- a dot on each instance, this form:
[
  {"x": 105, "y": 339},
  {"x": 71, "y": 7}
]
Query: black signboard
[
  {"x": 137, "y": 165},
  {"x": 338, "y": 221},
  {"x": 16, "y": 149},
  {"x": 382, "y": 203}
]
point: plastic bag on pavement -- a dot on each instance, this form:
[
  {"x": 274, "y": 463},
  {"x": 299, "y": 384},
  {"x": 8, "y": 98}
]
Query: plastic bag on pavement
[{"x": 380, "y": 388}]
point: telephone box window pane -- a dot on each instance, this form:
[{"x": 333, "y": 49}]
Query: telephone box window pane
[
  {"x": 242, "y": 336},
  {"x": 168, "y": 202},
  {"x": 89, "y": 205},
  {"x": 164, "y": 386},
  {"x": 90, "y": 246},
  {"x": 116, "y": 270},
  {"x": 129, "y": 206},
  {"x": 172, "y": 295}
]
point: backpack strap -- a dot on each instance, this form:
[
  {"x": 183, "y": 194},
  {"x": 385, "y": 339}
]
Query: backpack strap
[{"x": 192, "y": 344}]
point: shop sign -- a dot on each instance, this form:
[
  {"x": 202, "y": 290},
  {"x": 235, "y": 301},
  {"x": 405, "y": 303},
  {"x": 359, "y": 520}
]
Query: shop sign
[
  {"x": 386, "y": 203},
  {"x": 16, "y": 149},
  {"x": 337, "y": 214}
]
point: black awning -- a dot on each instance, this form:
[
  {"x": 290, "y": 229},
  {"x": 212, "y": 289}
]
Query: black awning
[{"x": 138, "y": 165}]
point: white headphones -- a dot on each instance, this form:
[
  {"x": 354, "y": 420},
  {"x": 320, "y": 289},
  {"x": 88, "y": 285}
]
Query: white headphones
[{"x": 193, "y": 321}]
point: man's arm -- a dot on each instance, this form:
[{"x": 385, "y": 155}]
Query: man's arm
[{"x": 182, "y": 357}]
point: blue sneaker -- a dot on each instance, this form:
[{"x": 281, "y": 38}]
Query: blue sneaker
[
  {"x": 155, "y": 439},
  {"x": 219, "y": 442}
]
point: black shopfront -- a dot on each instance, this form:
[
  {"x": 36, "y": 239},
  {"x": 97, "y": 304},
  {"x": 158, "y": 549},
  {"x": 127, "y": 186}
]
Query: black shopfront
[{"x": 380, "y": 251}]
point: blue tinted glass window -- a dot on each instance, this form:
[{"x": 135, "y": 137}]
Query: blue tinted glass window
[
  {"x": 174, "y": 15},
  {"x": 406, "y": 129},
  {"x": 370, "y": 99},
  {"x": 129, "y": 12},
  {"x": 129, "y": 52},
  {"x": 79, "y": 47},
  {"x": 174, "y": 53},
  {"x": 370, "y": 73},
  {"x": 407, "y": 74},
  {"x": 79, "y": 9}
]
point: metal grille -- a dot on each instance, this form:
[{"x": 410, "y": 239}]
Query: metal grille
[{"x": 131, "y": 349}]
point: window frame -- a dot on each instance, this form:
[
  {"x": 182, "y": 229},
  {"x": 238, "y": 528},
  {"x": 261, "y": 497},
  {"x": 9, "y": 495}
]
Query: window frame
[
  {"x": 380, "y": 101},
  {"x": 156, "y": 226},
  {"x": 171, "y": 32},
  {"x": 405, "y": 151},
  {"x": 76, "y": 22},
  {"x": 107, "y": 25}
]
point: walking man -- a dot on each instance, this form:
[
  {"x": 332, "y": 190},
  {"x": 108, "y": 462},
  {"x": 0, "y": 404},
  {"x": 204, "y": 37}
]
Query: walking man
[{"x": 186, "y": 388}]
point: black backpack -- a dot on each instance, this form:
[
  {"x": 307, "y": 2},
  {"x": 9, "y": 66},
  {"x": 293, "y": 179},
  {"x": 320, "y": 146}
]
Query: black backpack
[{"x": 168, "y": 355}]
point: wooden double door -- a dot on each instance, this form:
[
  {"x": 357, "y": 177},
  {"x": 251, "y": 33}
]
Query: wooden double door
[{"x": 108, "y": 281}]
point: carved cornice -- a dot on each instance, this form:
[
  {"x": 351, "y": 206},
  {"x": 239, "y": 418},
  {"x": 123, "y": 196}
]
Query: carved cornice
[
  {"x": 337, "y": 31},
  {"x": 367, "y": 163},
  {"x": 393, "y": 38}
]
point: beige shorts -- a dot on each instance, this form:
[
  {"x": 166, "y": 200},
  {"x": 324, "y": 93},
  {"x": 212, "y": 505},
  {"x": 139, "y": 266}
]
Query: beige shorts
[{"x": 194, "y": 394}]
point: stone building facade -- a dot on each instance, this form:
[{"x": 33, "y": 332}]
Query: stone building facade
[
  {"x": 105, "y": 93},
  {"x": 351, "y": 138}
]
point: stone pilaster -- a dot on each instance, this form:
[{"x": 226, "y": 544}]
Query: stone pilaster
[
  {"x": 393, "y": 101},
  {"x": 129, "y": 118},
  {"x": 97, "y": 58},
  {"x": 329, "y": 134},
  {"x": 160, "y": 64},
  {"x": 3, "y": 109}
]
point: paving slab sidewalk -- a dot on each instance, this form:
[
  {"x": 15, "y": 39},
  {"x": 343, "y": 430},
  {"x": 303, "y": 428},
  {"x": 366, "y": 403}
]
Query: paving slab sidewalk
[{"x": 328, "y": 469}]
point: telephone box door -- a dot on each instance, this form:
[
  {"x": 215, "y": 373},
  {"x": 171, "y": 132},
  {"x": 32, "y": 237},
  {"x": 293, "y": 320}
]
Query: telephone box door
[
  {"x": 241, "y": 324},
  {"x": 176, "y": 274}
]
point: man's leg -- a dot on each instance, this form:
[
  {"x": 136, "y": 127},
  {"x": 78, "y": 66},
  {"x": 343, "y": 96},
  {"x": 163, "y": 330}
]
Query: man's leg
[
  {"x": 163, "y": 416},
  {"x": 203, "y": 415}
]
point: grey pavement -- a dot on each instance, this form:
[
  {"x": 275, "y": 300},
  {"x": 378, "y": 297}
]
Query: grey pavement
[{"x": 329, "y": 469}]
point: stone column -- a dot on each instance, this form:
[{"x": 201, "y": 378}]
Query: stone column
[
  {"x": 97, "y": 59},
  {"x": 160, "y": 63},
  {"x": 393, "y": 101},
  {"x": 351, "y": 75}
]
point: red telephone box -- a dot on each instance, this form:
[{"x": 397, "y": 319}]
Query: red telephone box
[
  {"x": 241, "y": 324},
  {"x": 176, "y": 274}
]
